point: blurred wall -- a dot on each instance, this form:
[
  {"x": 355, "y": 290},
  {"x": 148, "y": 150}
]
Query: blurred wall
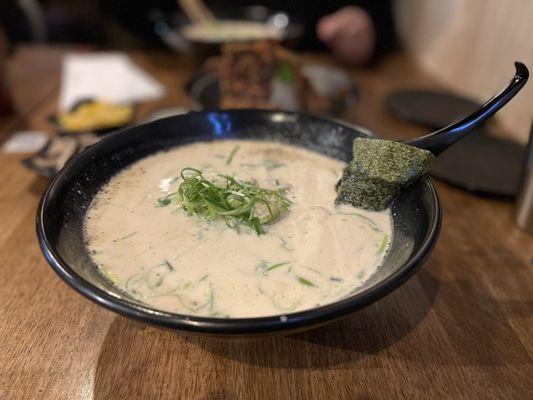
[{"x": 470, "y": 45}]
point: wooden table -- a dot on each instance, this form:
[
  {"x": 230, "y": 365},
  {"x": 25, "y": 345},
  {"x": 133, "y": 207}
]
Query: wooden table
[{"x": 462, "y": 327}]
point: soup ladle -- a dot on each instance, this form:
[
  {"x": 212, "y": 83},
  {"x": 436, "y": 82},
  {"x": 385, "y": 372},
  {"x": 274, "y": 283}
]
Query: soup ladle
[{"x": 438, "y": 141}]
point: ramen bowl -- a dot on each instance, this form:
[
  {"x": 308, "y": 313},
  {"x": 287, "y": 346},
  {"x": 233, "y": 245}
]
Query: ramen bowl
[{"x": 416, "y": 214}]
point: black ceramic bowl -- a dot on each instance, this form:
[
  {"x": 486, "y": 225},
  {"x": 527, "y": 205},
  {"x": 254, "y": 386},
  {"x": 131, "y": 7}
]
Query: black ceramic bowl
[{"x": 61, "y": 212}]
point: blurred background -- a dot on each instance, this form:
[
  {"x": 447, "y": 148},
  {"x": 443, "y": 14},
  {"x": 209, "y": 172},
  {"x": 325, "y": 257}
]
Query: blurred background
[
  {"x": 71, "y": 71},
  {"x": 465, "y": 44}
]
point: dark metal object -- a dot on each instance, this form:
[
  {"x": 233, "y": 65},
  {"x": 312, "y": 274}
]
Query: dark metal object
[{"x": 524, "y": 204}]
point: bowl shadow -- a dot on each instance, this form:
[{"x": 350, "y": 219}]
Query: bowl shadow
[
  {"x": 133, "y": 351},
  {"x": 362, "y": 333}
]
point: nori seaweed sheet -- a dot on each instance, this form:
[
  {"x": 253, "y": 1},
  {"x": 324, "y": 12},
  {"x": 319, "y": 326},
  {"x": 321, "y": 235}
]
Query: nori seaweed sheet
[
  {"x": 380, "y": 169},
  {"x": 369, "y": 194}
]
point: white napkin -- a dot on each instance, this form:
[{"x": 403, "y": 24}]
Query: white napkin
[
  {"x": 25, "y": 142},
  {"x": 106, "y": 76}
]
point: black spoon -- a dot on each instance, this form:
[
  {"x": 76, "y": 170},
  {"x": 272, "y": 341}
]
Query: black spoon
[{"x": 440, "y": 140}]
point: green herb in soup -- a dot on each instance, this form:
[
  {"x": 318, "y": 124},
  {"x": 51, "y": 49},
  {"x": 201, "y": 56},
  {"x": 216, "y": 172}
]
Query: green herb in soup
[
  {"x": 284, "y": 72},
  {"x": 236, "y": 202},
  {"x": 380, "y": 169},
  {"x": 232, "y": 155}
]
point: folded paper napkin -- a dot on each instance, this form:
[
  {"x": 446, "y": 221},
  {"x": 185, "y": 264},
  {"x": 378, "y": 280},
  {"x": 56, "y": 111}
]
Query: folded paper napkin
[
  {"x": 25, "y": 142},
  {"x": 108, "y": 76}
]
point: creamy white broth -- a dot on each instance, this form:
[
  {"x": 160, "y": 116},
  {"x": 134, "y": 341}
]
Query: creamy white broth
[{"x": 315, "y": 254}]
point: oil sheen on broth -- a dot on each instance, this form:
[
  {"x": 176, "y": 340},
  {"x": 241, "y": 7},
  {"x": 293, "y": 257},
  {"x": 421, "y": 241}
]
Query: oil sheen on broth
[{"x": 316, "y": 254}]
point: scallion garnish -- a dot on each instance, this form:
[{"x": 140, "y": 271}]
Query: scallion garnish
[
  {"x": 232, "y": 154},
  {"x": 236, "y": 202},
  {"x": 265, "y": 267},
  {"x": 383, "y": 244},
  {"x": 304, "y": 281}
]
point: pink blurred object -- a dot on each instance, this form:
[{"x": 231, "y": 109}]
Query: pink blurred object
[{"x": 349, "y": 33}]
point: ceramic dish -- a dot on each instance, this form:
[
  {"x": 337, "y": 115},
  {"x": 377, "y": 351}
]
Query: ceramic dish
[{"x": 416, "y": 214}]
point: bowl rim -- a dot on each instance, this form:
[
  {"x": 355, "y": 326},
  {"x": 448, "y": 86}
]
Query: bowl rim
[{"x": 282, "y": 323}]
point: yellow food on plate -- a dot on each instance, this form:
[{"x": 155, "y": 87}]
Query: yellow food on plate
[{"x": 95, "y": 115}]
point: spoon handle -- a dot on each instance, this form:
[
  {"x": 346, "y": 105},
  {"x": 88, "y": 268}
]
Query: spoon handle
[{"x": 440, "y": 140}]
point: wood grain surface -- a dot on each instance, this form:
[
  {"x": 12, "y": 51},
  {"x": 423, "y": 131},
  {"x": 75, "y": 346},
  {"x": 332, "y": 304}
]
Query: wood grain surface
[{"x": 462, "y": 327}]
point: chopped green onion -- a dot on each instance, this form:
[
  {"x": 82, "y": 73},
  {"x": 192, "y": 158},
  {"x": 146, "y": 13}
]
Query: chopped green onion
[
  {"x": 284, "y": 244},
  {"x": 304, "y": 281},
  {"x": 274, "y": 266},
  {"x": 232, "y": 154},
  {"x": 236, "y": 202},
  {"x": 383, "y": 244},
  {"x": 125, "y": 237},
  {"x": 169, "y": 266},
  {"x": 368, "y": 221},
  {"x": 163, "y": 202},
  {"x": 109, "y": 275},
  {"x": 273, "y": 164},
  {"x": 284, "y": 72},
  {"x": 264, "y": 266}
]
